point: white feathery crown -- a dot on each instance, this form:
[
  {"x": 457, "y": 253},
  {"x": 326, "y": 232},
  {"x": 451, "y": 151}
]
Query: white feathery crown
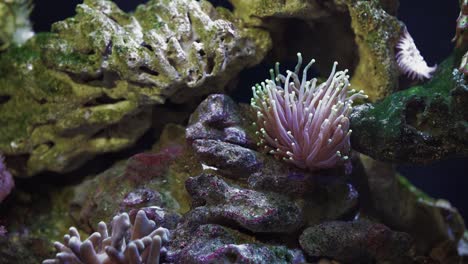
[{"x": 409, "y": 59}]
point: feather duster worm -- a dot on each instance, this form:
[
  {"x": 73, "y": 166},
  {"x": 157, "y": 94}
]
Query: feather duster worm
[{"x": 410, "y": 61}]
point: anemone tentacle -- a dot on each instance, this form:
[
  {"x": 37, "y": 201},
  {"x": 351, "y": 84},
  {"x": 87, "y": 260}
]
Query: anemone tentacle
[{"x": 304, "y": 123}]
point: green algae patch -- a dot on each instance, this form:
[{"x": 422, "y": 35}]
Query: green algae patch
[
  {"x": 15, "y": 27},
  {"x": 154, "y": 179},
  {"x": 52, "y": 120},
  {"x": 377, "y": 33},
  {"x": 35, "y": 219},
  {"x": 420, "y": 124},
  {"x": 395, "y": 202},
  {"x": 88, "y": 87}
]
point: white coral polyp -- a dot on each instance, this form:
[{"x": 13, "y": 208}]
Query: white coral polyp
[
  {"x": 304, "y": 123},
  {"x": 410, "y": 61}
]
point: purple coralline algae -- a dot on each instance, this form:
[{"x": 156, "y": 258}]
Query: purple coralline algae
[
  {"x": 140, "y": 197},
  {"x": 157, "y": 214},
  {"x": 217, "y": 118},
  {"x": 218, "y": 244},
  {"x": 6, "y": 180},
  {"x": 217, "y": 202},
  {"x": 260, "y": 171},
  {"x": 229, "y": 158},
  {"x": 152, "y": 165}
]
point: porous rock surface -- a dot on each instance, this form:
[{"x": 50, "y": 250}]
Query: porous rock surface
[
  {"x": 421, "y": 124},
  {"x": 392, "y": 200},
  {"x": 214, "y": 201},
  {"x": 88, "y": 86},
  {"x": 213, "y": 243},
  {"x": 355, "y": 242},
  {"x": 152, "y": 181},
  {"x": 15, "y": 26},
  {"x": 221, "y": 135},
  {"x": 361, "y": 35}
]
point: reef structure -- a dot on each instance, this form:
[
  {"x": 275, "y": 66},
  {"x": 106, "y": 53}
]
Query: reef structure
[
  {"x": 222, "y": 196},
  {"x": 421, "y": 124},
  {"x": 88, "y": 87}
]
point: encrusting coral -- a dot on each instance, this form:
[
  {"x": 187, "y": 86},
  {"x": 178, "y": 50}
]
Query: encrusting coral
[
  {"x": 137, "y": 243},
  {"x": 304, "y": 123}
]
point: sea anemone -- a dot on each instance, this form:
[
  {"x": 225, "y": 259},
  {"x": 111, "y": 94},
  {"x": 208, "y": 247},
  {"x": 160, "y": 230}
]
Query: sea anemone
[
  {"x": 304, "y": 123},
  {"x": 137, "y": 243},
  {"x": 409, "y": 59}
]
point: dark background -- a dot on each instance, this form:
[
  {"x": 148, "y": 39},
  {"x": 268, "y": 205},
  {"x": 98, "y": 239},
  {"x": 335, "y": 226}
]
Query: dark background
[{"x": 432, "y": 25}]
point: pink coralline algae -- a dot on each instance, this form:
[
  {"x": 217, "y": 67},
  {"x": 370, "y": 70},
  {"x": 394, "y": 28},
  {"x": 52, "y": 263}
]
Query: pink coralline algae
[
  {"x": 409, "y": 59},
  {"x": 3, "y": 231},
  {"x": 152, "y": 165},
  {"x": 304, "y": 123},
  {"x": 6, "y": 180}
]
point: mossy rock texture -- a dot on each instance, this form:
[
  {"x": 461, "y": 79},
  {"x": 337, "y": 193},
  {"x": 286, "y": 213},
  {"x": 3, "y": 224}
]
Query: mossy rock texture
[
  {"x": 360, "y": 34},
  {"x": 376, "y": 35},
  {"x": 15, "y": 27},
  {"x": 421, "y": 124},
  {"x": 88, "y": 87}
]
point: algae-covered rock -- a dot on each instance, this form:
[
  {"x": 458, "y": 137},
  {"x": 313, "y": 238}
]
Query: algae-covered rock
[
  {"x": 253, "y": 10},
  {"x": 217, "y": 244},
  {"x": 356, "y": 242},
  {"x": 461, "y": 35},
  {"x": 153, "y": 179},
  {"x": 6, "y": 181},
  {"x": 219, "y": 118},
  {"x": 422, "y": 124},
  {"x": 401, "y": 206},
  {"x": 176, "y": 49},
  {"x": 15, "y": 27},
  {"x": 377, "y": 34},
  {"x": 229, "y": 158},
  {"x": 88, "y": 86},
  {"x": 30, "y": 221},
  {"x": 360, "y": 35},
  {"x": 214, "y": 201},
  {"x": 319, "y": 30},
  {"x": 23, "y": 248},
  {"x": 220, "y": 133}
]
